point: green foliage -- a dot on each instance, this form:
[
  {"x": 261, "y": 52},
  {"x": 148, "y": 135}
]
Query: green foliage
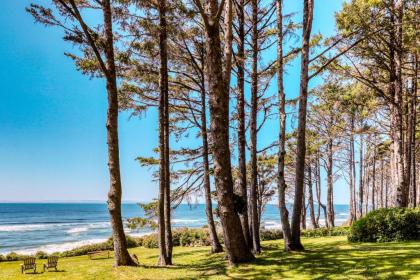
[
  {"x": 41, "y": 255},
  {"x": 271, "y": 234},
  {"x": 384, "y": 225},
  {"x": 15, "y": 257},
  {"x": 107, "y": 245},
  {"x": 274, "y": 234},
  {"x": 184, "y": 237},
  {"x": 187, "y": 237},
  {"x": 323, "y": 232},
  {"x": 148, "y": 241},
  {"x": 138, "y": 222}
]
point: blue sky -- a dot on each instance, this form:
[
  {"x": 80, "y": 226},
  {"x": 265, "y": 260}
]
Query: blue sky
[{"x": 52, "y": 118}]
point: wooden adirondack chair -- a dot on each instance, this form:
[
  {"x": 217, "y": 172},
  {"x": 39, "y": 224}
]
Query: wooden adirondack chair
[
  {"x": 52, "y": 262},
  {"x": 28, "y": 264}
]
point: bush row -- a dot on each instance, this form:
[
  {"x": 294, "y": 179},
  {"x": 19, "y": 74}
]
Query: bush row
[
  {"x": 384, "y": 225},
  {"x": 185, "y": 237},
  {"x": 83, "y": 250},
  {"x": 322, "y": 232}
]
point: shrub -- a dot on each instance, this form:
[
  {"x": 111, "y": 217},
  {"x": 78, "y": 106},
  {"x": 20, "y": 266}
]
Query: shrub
[
  {"x": 384, "y": 225},
  {"x": 15, "y": 257},
  {"x": 322, "y": 232},
  {"x": 107, "y": 245},
  {"x": 83, "y": 250},
  {"x": 186, "y": 237},
  {"x": 271, "y": 234},
  {"x": 2, "y": 258},
  {"x": 41, "y": 255},
  {"x": 149, "y": 241}
]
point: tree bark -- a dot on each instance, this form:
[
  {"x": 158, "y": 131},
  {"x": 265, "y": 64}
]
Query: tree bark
[
  {"x": 318, "y": 186},
  {"x": 413, "y": 123},
  {"x": 395, "y": 88},
  {"x": 303, "y": 219},
  {"x": 367, "y": 176},
  {"x": 311, "y": 197},
  {"x": 215, "y": 244},
  {"x": 361, "y": 174},
  {"x": 241, "y": 122},
  {"x": 235, "y": 243},
  {"x": 381, "y": 194},
  {"x": 352, "y": 216},
  {"x": 330, "y": 204},
  {"x": 295, "y": 243},
  {"x": 253, "y": 131},
  {"x": 281, "y": 183},
  {"x": 374, "y": 176},
  {"x": 163, "y": 89},
  {"x": 122, "y": 257}
]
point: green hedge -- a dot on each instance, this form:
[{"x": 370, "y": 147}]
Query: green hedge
[
  {"x": 271, "y": 234},
  {"x": 322, "y": 232},
  {"x": 107, "y": 245},
  {"x": 384, "y": 225},
  {"x": 185, "y": 237}
]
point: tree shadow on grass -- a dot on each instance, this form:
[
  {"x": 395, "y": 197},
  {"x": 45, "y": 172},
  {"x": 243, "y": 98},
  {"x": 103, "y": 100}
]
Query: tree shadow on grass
[
  {"x": 330, "y": 261},
  {"x": 206, "y": 265}
]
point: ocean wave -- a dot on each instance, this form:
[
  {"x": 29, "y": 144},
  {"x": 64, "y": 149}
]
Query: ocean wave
[
  {"x": 23, "y": 227},
  {"x": 77, "y": 230},
  {"x": 60, "y": 247},
  {"x": 71, "y": 227},
  {"x": 188, "y": 221},
  {"x": 272, "y": 225}
]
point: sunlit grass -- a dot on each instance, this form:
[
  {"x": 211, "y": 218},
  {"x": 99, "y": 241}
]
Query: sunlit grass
[{"x": 324, "y": 258}]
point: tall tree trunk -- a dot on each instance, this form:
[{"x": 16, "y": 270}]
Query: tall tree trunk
[
  {"x": 215, "y": 244},
  {"x": 386, "y": 191},
  {"x": 330, "y": 203},
  {"x": 318, "y": 192},
  {"x": 352, "y": 216},
  {"x": 295, "y": 243},
  {"x": 311, "y": 197},
  {"x": 413, "y": 132},
  {"x": 353, "y": 156},
  {"x": 122, "y": 257},
  {"x": 401, "y": 193},
  {"x": 281, "y": 183},
  {"x": 168, "y": 229},
  {"x": 253, "y": 131},
  {"x": 235, "y": 243},
  {"x": 163, "y": 88},
  {"x": 318, "y": 186},
  {"x": 374, "y": 176},
  {"x": 381, "y": 194},
  {"x": 303, "y": 219},
  {"x": 241, "y": 122},
  {"x": 361, "y": 175},
  {"x": 367, "y": 176}
]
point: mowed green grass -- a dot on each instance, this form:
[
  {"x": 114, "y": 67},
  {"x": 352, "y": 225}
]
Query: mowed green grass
[{"x": 324, "y": 258}]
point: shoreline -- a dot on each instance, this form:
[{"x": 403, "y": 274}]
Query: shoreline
[{"x": 67, "y": 246}]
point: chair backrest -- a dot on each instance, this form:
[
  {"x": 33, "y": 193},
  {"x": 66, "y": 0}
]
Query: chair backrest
[
  {"x": 52, "y": 260},
  {"x": 29, "y": 261}
]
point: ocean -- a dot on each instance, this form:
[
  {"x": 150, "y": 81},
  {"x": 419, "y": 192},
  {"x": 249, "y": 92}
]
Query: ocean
[{"x": 26, "y": 228}]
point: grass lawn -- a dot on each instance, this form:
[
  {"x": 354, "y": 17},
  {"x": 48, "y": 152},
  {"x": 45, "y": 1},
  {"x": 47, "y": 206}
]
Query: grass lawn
[{"x": 324, "y": 258}]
